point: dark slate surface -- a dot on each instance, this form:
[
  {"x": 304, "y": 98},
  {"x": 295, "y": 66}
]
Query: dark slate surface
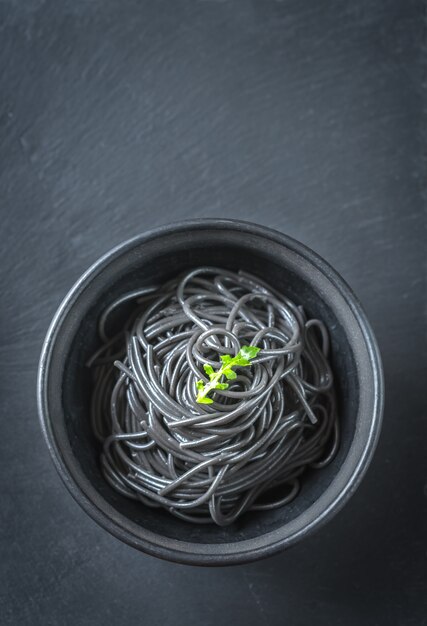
[{"x": 119, "y": 115}]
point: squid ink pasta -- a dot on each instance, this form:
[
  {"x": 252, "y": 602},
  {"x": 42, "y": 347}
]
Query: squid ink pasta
[{"x": 215, "y": 397}]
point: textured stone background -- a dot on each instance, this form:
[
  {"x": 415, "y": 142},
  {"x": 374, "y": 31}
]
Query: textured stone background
[{"x": 120, "y": 115}]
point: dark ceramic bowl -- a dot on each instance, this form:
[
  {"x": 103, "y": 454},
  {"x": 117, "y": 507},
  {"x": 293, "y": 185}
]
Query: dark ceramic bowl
[{"x": 64, "y": 387}]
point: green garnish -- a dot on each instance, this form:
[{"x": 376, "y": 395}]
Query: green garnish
[{"x": 242, "y": 359}]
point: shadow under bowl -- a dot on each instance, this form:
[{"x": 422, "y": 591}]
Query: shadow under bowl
[{"x": 64, "y": 387}]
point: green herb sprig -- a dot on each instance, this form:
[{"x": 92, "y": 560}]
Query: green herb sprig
[{"x": 242, "y": 359}]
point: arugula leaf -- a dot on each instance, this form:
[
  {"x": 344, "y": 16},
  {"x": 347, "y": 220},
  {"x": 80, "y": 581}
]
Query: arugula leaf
[
  {"x": 204, "y": 400},
  {"x": 249, "y": 352},
  {"x": 228, "y": 373},
  {"x": 242, "y": 359},
  {"x": 208, "y": 369}
]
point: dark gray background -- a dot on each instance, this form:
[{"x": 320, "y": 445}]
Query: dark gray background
[{"x": 117, "y": 116}]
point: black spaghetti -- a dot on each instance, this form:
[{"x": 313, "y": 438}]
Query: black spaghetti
[{"x": 261, "y": 426}]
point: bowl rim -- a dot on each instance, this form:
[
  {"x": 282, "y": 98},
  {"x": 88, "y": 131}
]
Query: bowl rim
[{"x": 200, "y": 553}]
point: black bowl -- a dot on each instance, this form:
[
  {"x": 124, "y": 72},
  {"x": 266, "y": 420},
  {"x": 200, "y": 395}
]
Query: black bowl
[{"x": 64, "y": 387}]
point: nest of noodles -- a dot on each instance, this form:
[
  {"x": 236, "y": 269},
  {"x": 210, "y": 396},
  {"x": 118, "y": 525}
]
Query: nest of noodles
[{"x": 249, "y": 449}]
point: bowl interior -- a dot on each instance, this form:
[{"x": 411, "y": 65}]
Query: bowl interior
[{"x": 153, "y": 261}]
